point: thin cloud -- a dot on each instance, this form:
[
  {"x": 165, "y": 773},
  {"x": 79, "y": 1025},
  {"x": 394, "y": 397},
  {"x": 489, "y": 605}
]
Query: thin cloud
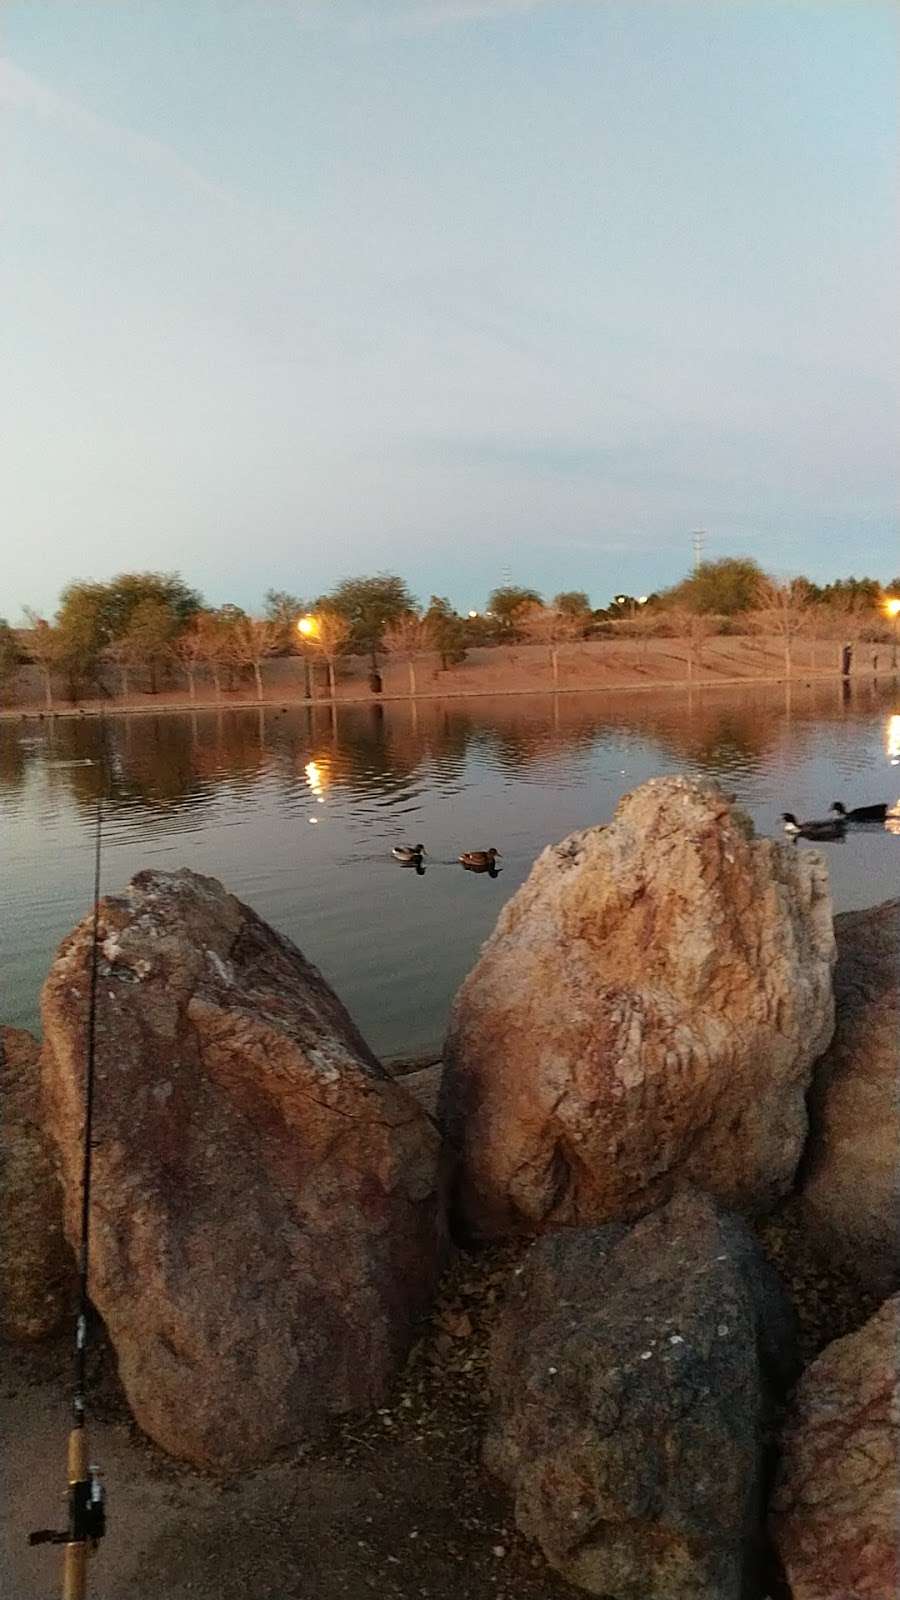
[{"x": 19, "y": 91}]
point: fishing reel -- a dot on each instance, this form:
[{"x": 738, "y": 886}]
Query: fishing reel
[{"x": 87, "y": 1514}]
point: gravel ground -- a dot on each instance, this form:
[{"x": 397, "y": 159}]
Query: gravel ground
[{"x": 394, "y": 1504}]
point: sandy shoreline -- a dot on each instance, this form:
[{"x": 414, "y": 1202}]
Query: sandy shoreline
[
  {"x": 594, "y": 666},
  {"x": 160, "y": 705}
]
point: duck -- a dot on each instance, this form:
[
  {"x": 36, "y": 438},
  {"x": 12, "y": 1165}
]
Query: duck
[
  {"x": 826, "y": 828},
  {"x": 479, "y": 860},
  {"x": 876, "y": 813},
  {"x": 410, "y": 854}
]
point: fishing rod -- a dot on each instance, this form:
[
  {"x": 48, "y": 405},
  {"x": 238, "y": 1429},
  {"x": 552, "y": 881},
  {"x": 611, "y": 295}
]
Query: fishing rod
[{"x": 85, "y": 1493}]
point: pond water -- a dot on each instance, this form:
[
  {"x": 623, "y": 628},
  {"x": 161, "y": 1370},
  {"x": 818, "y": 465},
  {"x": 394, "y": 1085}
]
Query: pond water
[{"x": 298, "y": 817}]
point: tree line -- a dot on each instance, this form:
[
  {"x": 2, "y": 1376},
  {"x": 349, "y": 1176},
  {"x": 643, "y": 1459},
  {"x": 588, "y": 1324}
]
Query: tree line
[{"x": 144, "y": 625}]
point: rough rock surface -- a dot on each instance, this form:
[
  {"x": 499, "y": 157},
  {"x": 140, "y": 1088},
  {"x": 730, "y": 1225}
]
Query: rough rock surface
[
  {"x": 645, "y": 1014},
  {"x": 266, "y": 1226},
  {"x": 836, "y": 1509},
  {"x": 36, "y": 1269},
  {"x": 851, "y": 1172},
  {"x": 425, "y": 1084},
  {"x": 633, "y": 1373}
]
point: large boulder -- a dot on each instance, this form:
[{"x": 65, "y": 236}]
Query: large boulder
[
  {"x": 645, "y": 1014},
  {"x": 633, "y": 1376},
  {"x": 836, "y": 1509},
  {"x": 266, "y": 1225},
  {"x": 850, "y": 1192},
  {"x": 36, "y": 1268}
]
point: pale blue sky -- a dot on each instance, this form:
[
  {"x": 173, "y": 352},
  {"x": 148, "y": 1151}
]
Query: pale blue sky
[{"x": 293, "y": 290}]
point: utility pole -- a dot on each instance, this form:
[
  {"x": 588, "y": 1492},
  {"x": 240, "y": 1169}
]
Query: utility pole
[{"x": 698, "y": 540}]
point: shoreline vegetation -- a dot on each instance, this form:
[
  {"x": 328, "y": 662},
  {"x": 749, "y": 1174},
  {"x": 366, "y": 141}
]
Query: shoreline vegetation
[
  {"x": 149, "y": 638},
  {"x": 591, "y": 667}
]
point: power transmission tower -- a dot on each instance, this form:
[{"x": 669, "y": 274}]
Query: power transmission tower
[{"x": 698, "y": 540}]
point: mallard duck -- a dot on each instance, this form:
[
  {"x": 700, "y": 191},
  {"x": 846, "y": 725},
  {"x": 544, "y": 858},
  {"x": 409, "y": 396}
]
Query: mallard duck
[
  {"x": 876, "y": 813},
  {"x": 479, "y": 860},
  {"x": 410, "y": 854},
  {"x": 827, "y": 828}
]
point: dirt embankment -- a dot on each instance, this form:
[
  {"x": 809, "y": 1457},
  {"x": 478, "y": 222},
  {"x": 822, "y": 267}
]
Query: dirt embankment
[{"x": 591, "y": 665}]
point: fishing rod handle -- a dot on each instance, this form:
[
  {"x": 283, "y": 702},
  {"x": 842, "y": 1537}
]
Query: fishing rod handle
[
  {"x": 75, "y": 1571},
  {"x": 76, "y": 1552}
]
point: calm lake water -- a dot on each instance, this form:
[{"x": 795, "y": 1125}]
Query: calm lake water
[{"x": 298, "y": 818}]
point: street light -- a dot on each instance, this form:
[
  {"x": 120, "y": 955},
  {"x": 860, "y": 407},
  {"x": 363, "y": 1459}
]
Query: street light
[{"x": 308, "y": 628}]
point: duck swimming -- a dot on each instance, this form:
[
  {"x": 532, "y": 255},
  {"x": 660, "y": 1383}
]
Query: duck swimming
[
  {"x": 479, "y": 860},
  {"x": 876, "y": 813},
  {"x": 410, "y": 854},
  {"x": 827, "y": 828}
]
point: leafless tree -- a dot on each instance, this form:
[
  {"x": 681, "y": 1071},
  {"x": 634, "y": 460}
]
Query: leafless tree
[
  {"x": 43, "y": 647},
  {"x": 329, "y": 636},
  {"x": 785, "y": 607},
  {"x": 250, "y": 641},
  {"x": 408, "y": 636},
  {"x": 693, "y": 628},
  {"x": 550, "y": 626},
  {"x": 189, "y": 651}
]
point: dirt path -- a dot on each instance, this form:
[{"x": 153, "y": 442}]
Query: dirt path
[{"x": 394, "y": 1505}]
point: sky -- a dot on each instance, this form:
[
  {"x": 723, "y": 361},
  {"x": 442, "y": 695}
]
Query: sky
[{"x": 467, "y": 290}]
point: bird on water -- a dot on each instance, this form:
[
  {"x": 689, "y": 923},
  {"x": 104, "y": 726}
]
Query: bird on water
[
  {"x": 479, "y": 860},
  {"x": 876, "y": 813},
  {"x": 826, "y": 828},
  {"x": 409, "y": 854}
]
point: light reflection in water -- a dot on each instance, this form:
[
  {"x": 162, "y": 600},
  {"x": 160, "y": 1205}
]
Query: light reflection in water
[{"x": 892, "y": 739}]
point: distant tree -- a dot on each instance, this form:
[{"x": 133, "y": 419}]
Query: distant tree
[
  {"x": 369, "y": 605},
  {"x": 786, "y": 608},
  {"x": 848, "y": 596},
  {"x": 694, "y": 628},
  {"x": 9, "y": 654},
  {"x": 621, "y": 608},
  {"x": 112, "y": 605},
  {"x": 43, "y": 648},
  {"x": 189, "y": 650},
  {"x": 81, "y": 634},
  {"x": 213, "y": 644},
  {"x": 447, "y": 630},
  {"x": 251, "y": 640},
  {"x": 283, "y": 609},
  {"x": 125, "y": 656},
  {"x": 720, "y": 588},
  {"x": 507, "y": 603},
  {"x": 550, "y": 626},
  {"x": 408, "y": 636},
  {"x": 573, "y": 603},
  {"x": 332, "y": 633},
  {"x": 80, "y": 637},
  {"x": 152, "y": 626}
]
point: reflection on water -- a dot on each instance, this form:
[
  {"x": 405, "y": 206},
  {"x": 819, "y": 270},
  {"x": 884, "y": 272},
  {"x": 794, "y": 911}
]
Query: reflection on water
[{"x": 233, "y": 794}]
